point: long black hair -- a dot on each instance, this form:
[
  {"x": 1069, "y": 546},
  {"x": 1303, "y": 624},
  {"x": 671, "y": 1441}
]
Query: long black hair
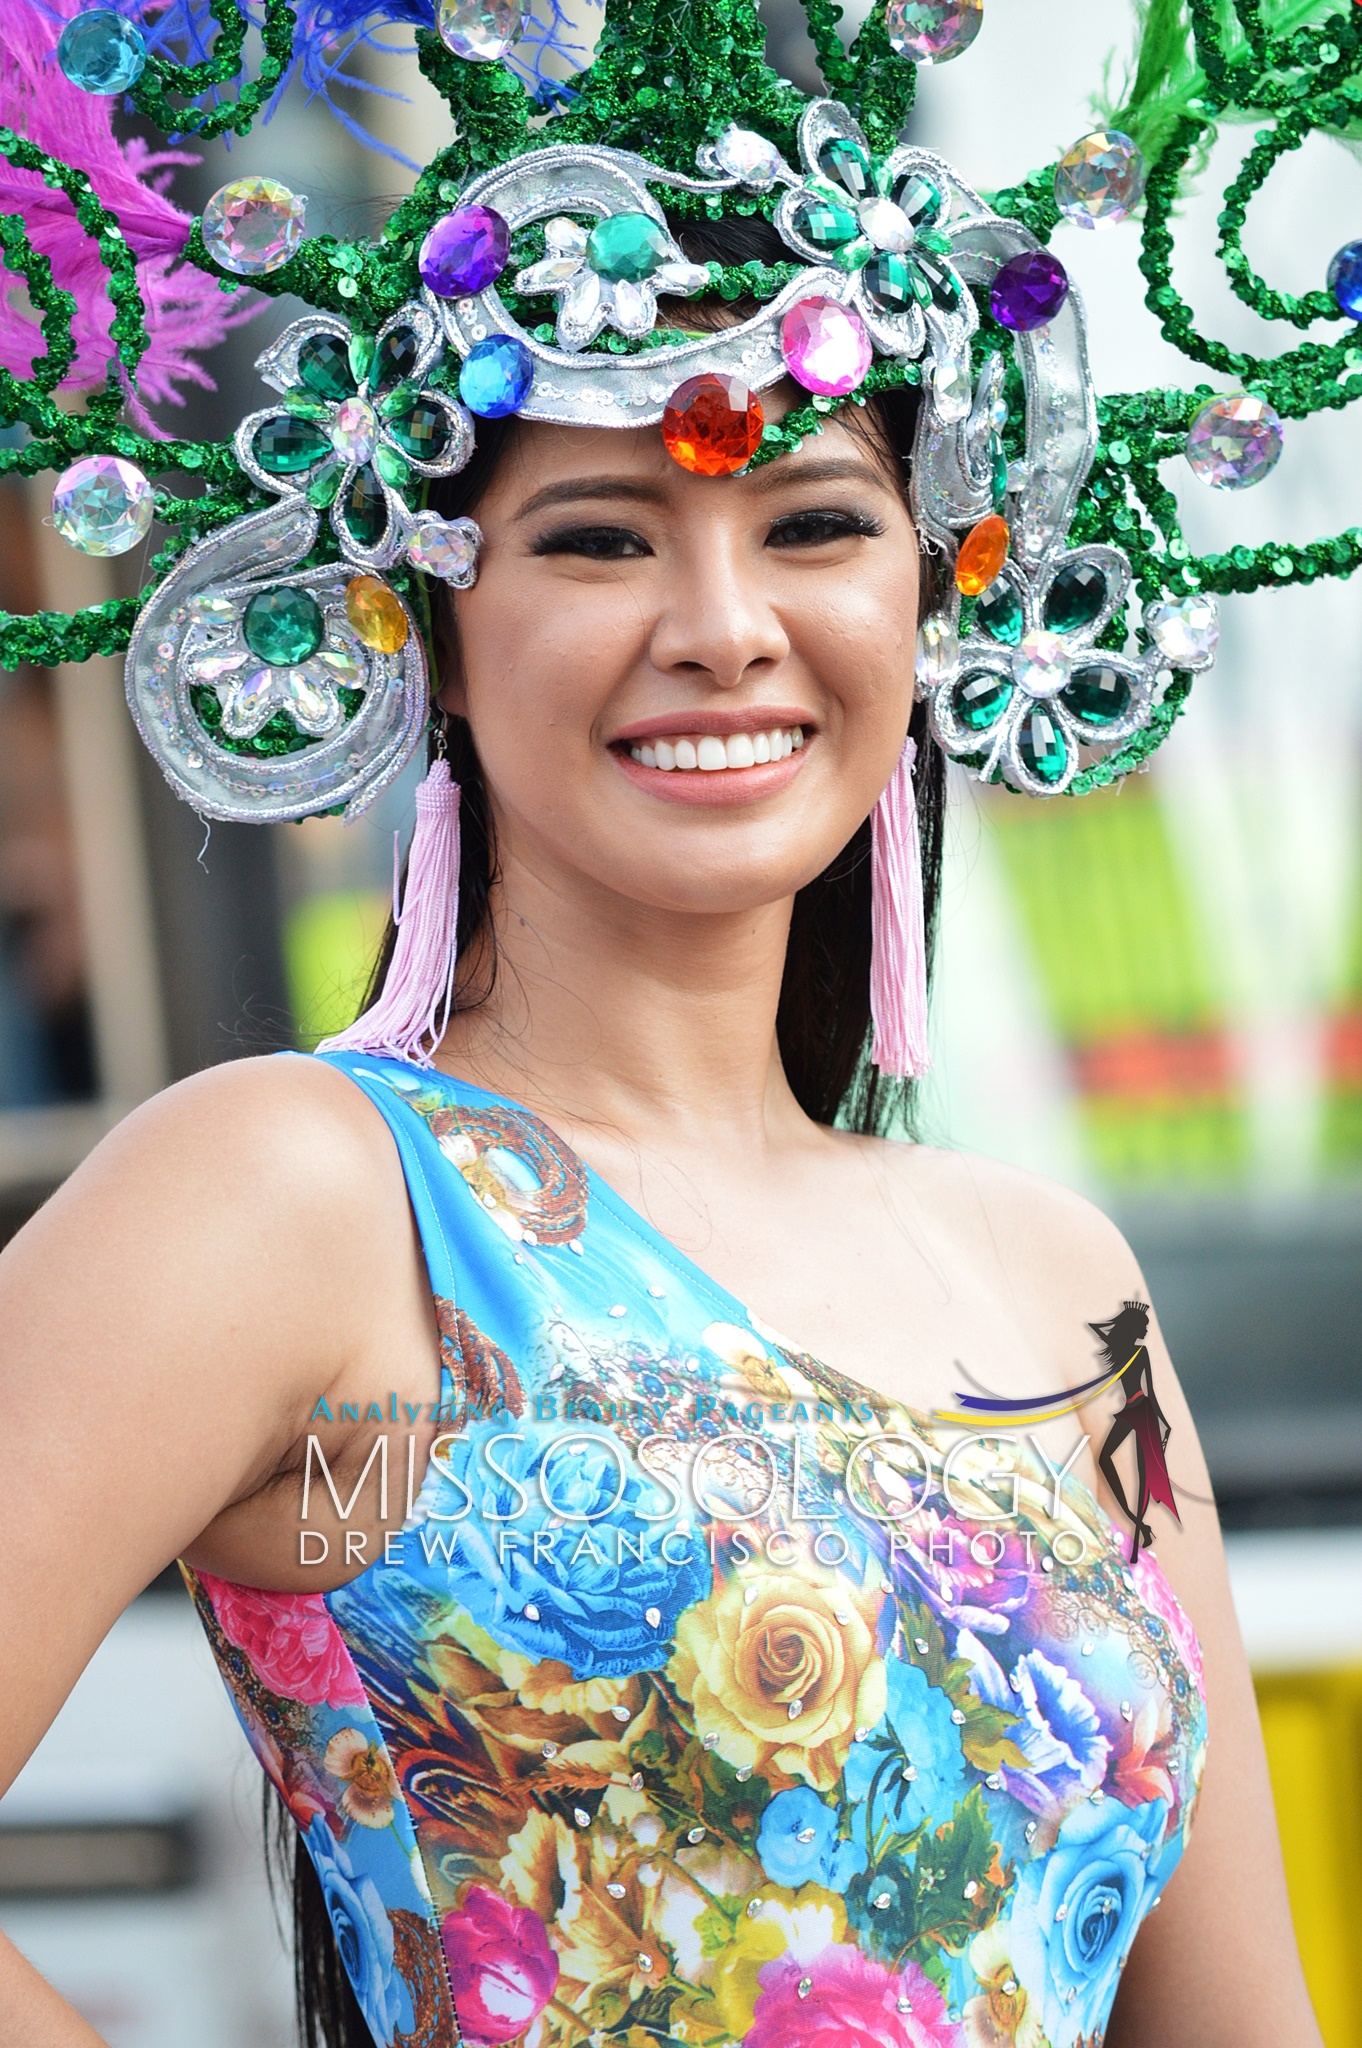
[{"x": 823, "y": 1017}]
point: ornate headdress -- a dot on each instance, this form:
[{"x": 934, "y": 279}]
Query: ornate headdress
[{"x": 276, "y": 666}]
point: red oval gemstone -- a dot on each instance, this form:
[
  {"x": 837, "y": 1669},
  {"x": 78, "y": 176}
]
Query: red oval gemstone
[
  {"x": 712, "y": 425},
  {"x": 982, "y": 554}
]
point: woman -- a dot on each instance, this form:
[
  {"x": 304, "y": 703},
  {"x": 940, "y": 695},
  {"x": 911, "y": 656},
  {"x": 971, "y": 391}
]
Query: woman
[{"x": 243, "y": 1248}]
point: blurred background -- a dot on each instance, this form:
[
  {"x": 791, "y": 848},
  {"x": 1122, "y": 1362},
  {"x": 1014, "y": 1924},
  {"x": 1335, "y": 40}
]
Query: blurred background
[{"x": 1154, "y": 995}]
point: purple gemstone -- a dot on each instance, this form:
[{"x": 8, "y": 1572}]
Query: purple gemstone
[
  {"x": 1029, "y": 290},
  {"x": 464, "y": 252}
]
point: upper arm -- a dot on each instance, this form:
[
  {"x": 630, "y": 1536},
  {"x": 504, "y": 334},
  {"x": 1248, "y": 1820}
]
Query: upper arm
[{"x": 166, "y": 1322}]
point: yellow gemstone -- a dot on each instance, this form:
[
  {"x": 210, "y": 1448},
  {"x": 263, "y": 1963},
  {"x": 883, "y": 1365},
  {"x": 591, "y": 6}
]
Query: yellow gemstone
[
  {"x": 982, "y": 554},
  {"x": 376, "y": 614}
]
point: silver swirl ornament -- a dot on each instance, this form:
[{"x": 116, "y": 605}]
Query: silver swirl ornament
[{"x": 252, "y": 687}]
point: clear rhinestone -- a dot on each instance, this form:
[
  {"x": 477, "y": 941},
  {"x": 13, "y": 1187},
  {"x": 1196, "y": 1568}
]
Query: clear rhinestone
[
  {"x": 549, "y": 1749},
  {"x": 1061, "y": 1912},
  {"x": 653, "y": 1616},
  {"x": 530, "y": 1611},
  {"x": 658, "y": 1293},
  {"x": 480, "y": 30},
  {"x": 102, "y": 505},
  {"x": 645, "y": 1963},
  {"x": 741, "y": 153},
  {"x": 957, "y": 1717},
  {"x": 887, "y": 225},
  {"x": 1042, "y": 663},
  {"x": 621, "y": 1713},
  {"x": 1186, "y": 630},
  {"x": 795, "y": 1709},
  {"x": 806, "y": 1834},
  {"x": 1100, "y": 180},
  {"x": 743, "y": 1773},
  {"x": 754, "y": 1906},
  {"x": 971, "y": 1888},
  {"x": 1126, "y": 1714},
  {"x": 581, "y": 1816},
  {"x": 805, "y": 1986},
  {"x": 1009, "y": 1987},
  {"x": 1030, "y": 1830},
  {"x": 616, "y": 1891},
  {"x": 636, "y": 1782},
  {"x": 1087, "y": 1649},
  {"x": 908, "y": 1773},
  {"x": 919, "y": 1644},
  {"x": 1234, "y": 441},
  {"x": 882, "y": 1901},
  {"x": 710, "y": 1742},
  {"x": 695, "y": 1834},
  {"x": 952, "y": 391},
  {"x": 995, "y": 1781}
]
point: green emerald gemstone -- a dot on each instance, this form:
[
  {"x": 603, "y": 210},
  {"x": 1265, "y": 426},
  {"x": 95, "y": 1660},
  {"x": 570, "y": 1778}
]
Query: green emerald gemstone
[
  {"x": 282, "y": 626},
  {"x": 324, "y": 366},
  {"x": 998, "y": 477},
  {"x": 422, "y": 433},
  {"x": 361, "y": 355},
  {"x": 889, "y": 281},
  {"x": 364, "y": 509},
  {"x": 1043, "y": 746},
  {"x": 322, "y": 487},
  {"x": 920, "y": 199},
  {"x": 303, "y": 406},
  {"x": 391, "y": 467},
  {"x": 396, "y": 401},
  {"x": 978, "y": 701},
  {"x": 824, "y": 223},
  {"x": 1075, "y": 598},
  {"x": 847, "y": 165},
  {"x": 395, "y": 359},
  {"x": 1099, "y": 696},
  {"x": 939, "y": 282},
  {"x": 999, "y": 613},
  {"x": 284, "y": 446},
  {"x": 627, "y": 246}
]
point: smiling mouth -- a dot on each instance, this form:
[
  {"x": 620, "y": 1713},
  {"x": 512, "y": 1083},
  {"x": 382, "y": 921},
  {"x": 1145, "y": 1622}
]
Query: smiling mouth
[{"x": 708, "y": 753}]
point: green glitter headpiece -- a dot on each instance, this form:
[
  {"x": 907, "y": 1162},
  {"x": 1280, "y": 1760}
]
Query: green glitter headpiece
[{"x": 276, "y": 664}]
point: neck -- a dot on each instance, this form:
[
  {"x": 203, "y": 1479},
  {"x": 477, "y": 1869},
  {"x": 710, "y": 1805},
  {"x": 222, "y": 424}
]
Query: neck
[{"x": 651, "y": 1025}]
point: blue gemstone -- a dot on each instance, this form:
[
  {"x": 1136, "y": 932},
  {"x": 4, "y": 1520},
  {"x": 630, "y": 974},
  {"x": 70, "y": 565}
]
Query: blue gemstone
[
  {"x": 1345, "y": 279},
  {"x": 496, "y": 377},
  {"x": 101, "y": 52}
]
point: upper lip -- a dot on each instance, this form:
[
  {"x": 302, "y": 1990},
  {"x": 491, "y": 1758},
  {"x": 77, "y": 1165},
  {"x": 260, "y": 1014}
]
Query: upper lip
[{"x": 755, "y": 718}]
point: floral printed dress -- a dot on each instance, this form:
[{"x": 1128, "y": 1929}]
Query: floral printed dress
[{"x": 706, "y": 1698}]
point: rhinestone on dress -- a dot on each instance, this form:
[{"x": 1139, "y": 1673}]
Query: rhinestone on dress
[
  {"x": 695, "y": 1834},
  {"x": 1234, "y": 441},
  {"x": 805, "y": 1986},
  {"x": 252, "y": 226},
  {"x": 464, "y": 252},
  {"x": 1100, "y": 180},
  {"x": 653, "y": 1616},
  {"x": 496, "y": 377},
  {"x": 102, "y": 52},
  {"x": 712, "y": 425},
  {"x": 482, "y": 30},
  {"x": 1185, "y": 630},
  {"x": 741, "y": 153},
  {"x": 933, "y": 31},
  {"x": 825, "y": 346},
  {"x": 102, "y": 505},
  {"x": 1029, "y": 290}
]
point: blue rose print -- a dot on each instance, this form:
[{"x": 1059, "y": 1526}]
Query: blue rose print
[
  {"x": 1077, "y": 1910},
  {"x": 601, "y": 1588},
  {"x": 363, "y": 1934},
  {"x": 917, "y": 1733},
  {"x": 797, "y": 1843}
]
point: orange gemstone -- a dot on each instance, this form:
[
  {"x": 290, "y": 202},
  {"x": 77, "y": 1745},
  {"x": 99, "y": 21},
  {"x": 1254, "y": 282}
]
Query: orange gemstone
[
  {"x": 712, "y": 425},
  {"x": 376, "y": 614},
  {"x": 982, "y": 554}
]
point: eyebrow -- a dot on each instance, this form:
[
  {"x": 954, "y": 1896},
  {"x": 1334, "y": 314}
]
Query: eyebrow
[
  {"x": 581, "y": 487},
  {"x": 826, "y": 469}
]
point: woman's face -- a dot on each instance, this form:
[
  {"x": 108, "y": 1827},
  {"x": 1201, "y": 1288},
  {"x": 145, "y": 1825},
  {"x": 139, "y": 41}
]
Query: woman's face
[{"x": 633, "y": 624}]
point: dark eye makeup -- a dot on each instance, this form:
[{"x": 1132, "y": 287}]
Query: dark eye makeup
[
  {"x": 818, "y": 526},
  {"x": 596, "y": 543}
]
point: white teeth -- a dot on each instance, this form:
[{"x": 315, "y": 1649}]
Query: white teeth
[{"x": 710, "y": 753}]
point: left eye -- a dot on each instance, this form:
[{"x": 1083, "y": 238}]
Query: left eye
[{"x": 816, "y": 529}]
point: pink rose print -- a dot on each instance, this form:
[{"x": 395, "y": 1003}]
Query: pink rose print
[
  {"x": 501, "y": 1968},
  {"x": 1154, "y": 1589},
  {"x": 848, "y": 2001},
  {"x": 291, "y": 1640}
]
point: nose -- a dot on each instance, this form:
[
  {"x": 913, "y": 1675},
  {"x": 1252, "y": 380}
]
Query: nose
[{"x": 719, "y": 625}]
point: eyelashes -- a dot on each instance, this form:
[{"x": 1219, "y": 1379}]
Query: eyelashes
[
  {"x": 817, "y": 527},
  {"x": 596, "y": 543}
]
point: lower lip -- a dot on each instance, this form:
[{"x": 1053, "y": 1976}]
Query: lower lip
[{"x": 714, "y": 786}]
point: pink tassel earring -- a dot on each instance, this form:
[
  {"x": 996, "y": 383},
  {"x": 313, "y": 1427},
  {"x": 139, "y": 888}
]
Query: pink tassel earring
[
  {"x": 412, "y": 1012},
  {"x": 898, "y": 957}
]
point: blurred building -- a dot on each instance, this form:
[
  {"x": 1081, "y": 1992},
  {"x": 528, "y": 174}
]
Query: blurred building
[{"x": 1153, "y": 994}]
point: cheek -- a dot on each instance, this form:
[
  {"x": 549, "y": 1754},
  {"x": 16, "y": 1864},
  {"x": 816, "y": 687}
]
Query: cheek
[{"x": 550, "y": 654}]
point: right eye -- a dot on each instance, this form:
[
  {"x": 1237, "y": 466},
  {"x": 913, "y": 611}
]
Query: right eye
[{"x": 596, "y": 543}]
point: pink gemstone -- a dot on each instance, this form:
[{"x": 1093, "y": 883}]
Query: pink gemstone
[{"x": 825, "y": 346}]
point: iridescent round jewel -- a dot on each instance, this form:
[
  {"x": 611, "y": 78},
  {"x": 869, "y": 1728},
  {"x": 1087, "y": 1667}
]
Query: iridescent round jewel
[
  {"x": 825, "y": 346},
  {"x": 102, "y": 52},
  {"x": 979, "y": 701},
  {"x": 464, "y": 252},
  {"x": 1185, "y": 630},
  {"x": 742, "y": 153},
  {"x": 1042, "y": 663},
  {"x": 447, "y": 548},
  {"x": 482, "y": 30},
  {"x": 1234, "y": 441},
  {"x": 375, "y": 612},
  {"x": 1345, "y": 279},
  {"x": 496, "y": 377},
  {"x": 354, "y": 430},
  {"x": 887, "y": 225},
  {"x": 1100, "y": 180},
  {"x": 253, "y": 226},
  {"x": 283, "y": 626},
  {"x": 102, "y": 505},
  {"x": 1029, "y": 290},
  {"x": 938, "y": 651},
  {"x": 933, "y": 31},
  {"x": 627, "y": 246},
  {"x": 712, "y": 425}
]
